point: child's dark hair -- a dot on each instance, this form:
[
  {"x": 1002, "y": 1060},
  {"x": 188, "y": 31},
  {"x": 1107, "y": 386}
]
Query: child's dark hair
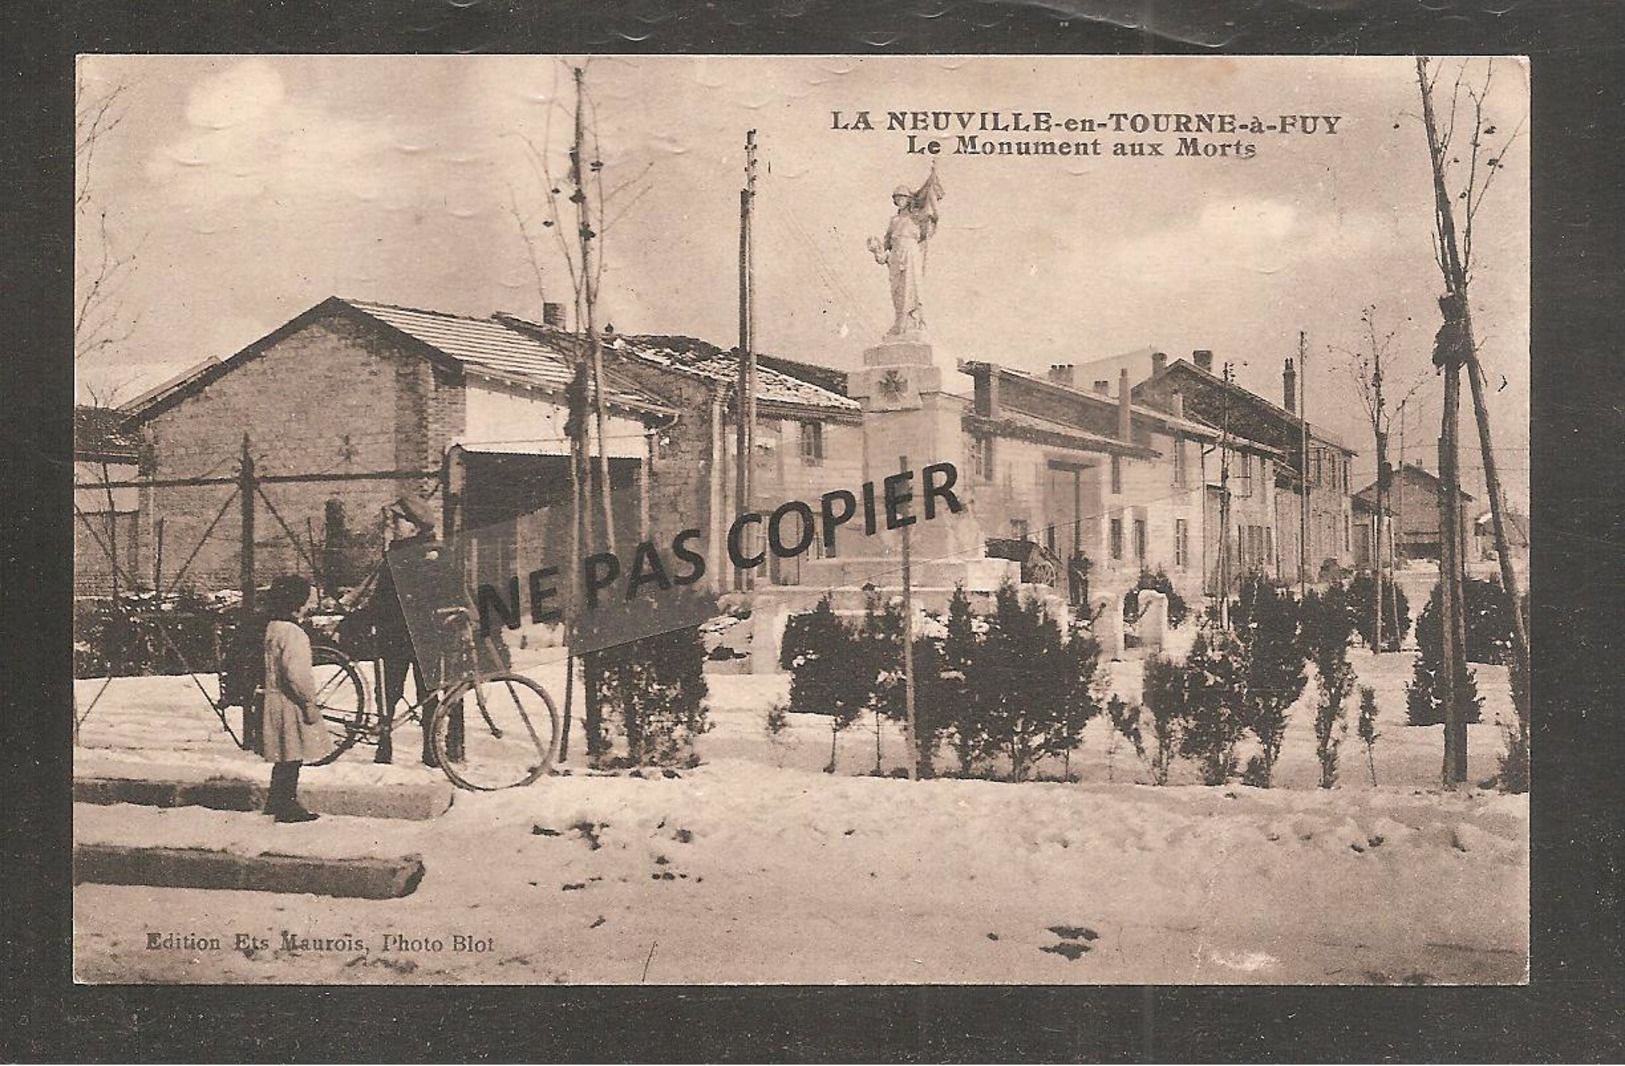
[{"x": 286, "y": 596}]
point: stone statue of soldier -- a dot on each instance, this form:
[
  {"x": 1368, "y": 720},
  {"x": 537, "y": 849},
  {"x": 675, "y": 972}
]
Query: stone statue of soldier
[{"x": 902, "y": 252}]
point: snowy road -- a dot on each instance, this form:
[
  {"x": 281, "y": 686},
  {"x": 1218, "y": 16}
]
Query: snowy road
[{"x": 746, "y": 870}]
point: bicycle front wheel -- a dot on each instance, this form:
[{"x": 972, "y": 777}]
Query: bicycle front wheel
[
  {"x": 496, "y": 732},
  {"x": 342, "y": 697}
]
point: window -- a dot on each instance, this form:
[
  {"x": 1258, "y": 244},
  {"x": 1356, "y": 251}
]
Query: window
[
  {"x": 1182, "y": 543},
  {"x": 1117, "y": 538},
  {"x": 1348, "y": 534},
  {"x": 1255, "y": 547},
  {"x": 1243, "y": 475},
  {"x": 1269, "y": 548},
  {"x": 1241, "y": 548},
  {"x": 812, "y": 443},
  {"x": 1139, "y": 539},
  {"x": 1117, "y": 474},
  {"x": 1018, "y": 528},
  {"x": 1179, "y": 462},
  {"x": 979, "y": 456}
]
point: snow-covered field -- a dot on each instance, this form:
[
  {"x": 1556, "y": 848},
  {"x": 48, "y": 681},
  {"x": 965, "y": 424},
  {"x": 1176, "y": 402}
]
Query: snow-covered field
[{"x": 758, "y": 867}]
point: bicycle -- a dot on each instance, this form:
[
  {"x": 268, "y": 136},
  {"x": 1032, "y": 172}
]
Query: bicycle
[
  {"x": 341, "y": 696},
  {"x": 508, "y": 752}
]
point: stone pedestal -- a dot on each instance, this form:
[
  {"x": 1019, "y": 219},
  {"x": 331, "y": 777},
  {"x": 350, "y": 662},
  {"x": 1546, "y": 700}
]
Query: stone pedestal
[
  {"x": 1108, "y": 628},
  {"x": 906, "y": 413},
  {"x": 1152, "y": 625}
]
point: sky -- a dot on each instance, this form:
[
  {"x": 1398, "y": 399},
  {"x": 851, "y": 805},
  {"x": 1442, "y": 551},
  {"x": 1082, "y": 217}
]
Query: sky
[{"x": 252, "y": 188}]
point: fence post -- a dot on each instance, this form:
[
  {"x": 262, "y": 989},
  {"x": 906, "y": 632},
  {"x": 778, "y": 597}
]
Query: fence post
[{"x": 247, "y": 487}]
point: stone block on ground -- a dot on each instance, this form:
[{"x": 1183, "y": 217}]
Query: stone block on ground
[
  {"x": 416, "y": 801},
  {"x": 366, "y": 878}
]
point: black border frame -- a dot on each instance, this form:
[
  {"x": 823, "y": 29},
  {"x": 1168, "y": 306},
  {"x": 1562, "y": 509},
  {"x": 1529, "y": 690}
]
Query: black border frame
[{"x": 1573, "y": 1009}]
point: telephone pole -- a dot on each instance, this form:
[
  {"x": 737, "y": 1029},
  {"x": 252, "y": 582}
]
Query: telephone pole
[
  {"x": 745, "y": 409},
  {"x": 589, "y": 286},
  {"x": 1303, "y": 472}
]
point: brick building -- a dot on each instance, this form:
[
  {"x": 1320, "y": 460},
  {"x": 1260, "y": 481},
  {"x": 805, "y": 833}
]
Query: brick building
[
  {"x": 339, "y": 395},
  {"x": 105, "y": 519},
  {"x": 466, "y": 413}
]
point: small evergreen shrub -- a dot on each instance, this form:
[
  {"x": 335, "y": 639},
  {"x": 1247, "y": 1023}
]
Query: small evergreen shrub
[
  {"x": 1031, "y": 691},
  {"x": 1362, "y": 596},
  {"x": 1367, "y": 729},
  {"x": 827, "y": 676},
  {"x": 1424, "y": 696},
  {"x": 1160, "y": 582},
  {"x": 1514, "y": 762},
  {"x": 1163, "y": 693},
  {"x": 655, "y": 687},
  {"x": 776, "y": 725},
  {"x": 1488, "y": 610},
  {"x": 1125, "y": 720},
  {"x": 1266, "y": 623},
  {"x": 1215, "y": 716},
  {"x": 961, "y": 723},
  {"x": 1327, "y": 626}
]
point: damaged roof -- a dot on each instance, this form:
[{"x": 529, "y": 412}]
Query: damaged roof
[{"x": 701, "y": 359}]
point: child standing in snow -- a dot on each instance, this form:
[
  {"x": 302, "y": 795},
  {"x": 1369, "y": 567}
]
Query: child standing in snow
[{"x": 293, "y": 721}]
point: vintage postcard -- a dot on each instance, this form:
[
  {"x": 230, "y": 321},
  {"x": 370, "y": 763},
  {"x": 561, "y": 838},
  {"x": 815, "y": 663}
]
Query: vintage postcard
[{"x": 801, "y": 520}]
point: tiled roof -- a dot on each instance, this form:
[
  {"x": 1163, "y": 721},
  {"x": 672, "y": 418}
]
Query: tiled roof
[
  {"x": 697, "y": 358},
  {"x": 490, "y": 347},
  {"x": 708, "y": 361},
  {"x": 1023, "y": 426},
  {"x": 1193, "y": 427},
  {"x": 1318, "y": 432}
]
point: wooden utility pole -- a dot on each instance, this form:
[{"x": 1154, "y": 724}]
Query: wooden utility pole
[
  {"x": 246, "y": 488},
  {"x": 589, "y": 284},
  {"x": 1224, "y": 497},
  {"x": 1451, "y": 591},
  {"x": 588, "y": 297},
  {"x": 1303, "y": 472},
  {"x": 745, "y": 408},
  {"x": 908, "y": 648}
]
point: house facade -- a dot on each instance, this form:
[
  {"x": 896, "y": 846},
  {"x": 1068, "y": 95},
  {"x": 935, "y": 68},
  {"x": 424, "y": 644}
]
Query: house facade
[
  {"x": 1131, "y": 487},
  {"x": 1413, "y": 504},
  {"x": 1313, "y": 508}
]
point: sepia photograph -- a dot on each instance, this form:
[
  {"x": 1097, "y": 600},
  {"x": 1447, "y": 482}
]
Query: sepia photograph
[{"x": 801, "y": 520}]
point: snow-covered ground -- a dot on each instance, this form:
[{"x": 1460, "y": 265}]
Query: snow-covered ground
[{"x": 758, "y": 867}]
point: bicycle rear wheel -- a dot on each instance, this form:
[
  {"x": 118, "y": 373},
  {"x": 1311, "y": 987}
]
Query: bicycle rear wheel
[
  {"x": 342, "y": 697},
  {"x": 509, "y": 733}
]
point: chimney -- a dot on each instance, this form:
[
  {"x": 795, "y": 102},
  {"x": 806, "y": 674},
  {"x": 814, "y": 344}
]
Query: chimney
[
  {"x": 553, "y": 315},
  {"x": 1289, "y": 386},
  {"x": 1061, "y": 373},
  {"x": 1125, "y": 425},
  {"x": 1103, "y": 387},
  {"x": 1203, "y": 359},
  {"x": 1178, "y": 399},
  {"x": 1159, "y": 362}
]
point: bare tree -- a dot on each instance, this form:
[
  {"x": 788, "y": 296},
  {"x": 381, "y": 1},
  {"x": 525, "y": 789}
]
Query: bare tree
[
  {"x": 1368, "y": 367},
  {"x": 577, "y": 206},
  {"x": 1462, "y": 176},
  {"x": 103, "y": 261}
]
